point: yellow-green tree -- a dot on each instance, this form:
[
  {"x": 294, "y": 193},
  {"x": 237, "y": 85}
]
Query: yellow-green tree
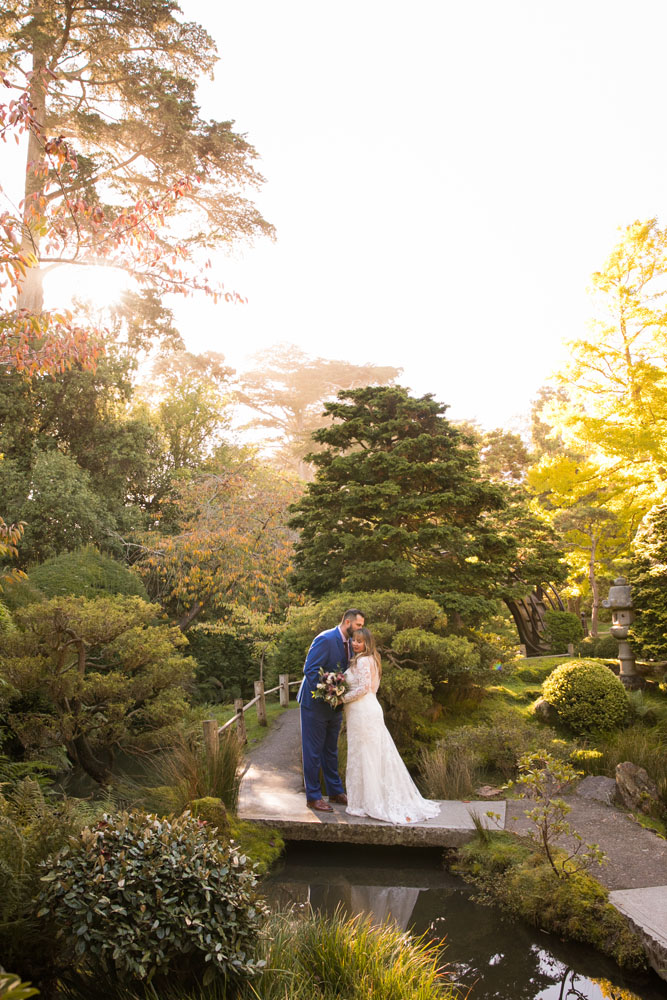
[{"x": 616, "y": 378}]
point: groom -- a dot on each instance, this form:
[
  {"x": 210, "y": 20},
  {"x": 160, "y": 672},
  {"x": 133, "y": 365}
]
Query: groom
[{"x": 320, "y": 723}]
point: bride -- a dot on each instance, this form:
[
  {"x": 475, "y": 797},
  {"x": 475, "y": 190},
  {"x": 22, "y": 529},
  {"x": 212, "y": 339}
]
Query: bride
[{"x": 378, "y": 782}]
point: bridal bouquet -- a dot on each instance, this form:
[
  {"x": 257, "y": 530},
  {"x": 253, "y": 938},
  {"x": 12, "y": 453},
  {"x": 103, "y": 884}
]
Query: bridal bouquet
[{"x": 331, "y": 687}]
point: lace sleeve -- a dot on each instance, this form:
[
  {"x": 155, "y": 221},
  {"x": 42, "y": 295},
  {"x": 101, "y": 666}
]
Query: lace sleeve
[{"x": 363, "y": 680}]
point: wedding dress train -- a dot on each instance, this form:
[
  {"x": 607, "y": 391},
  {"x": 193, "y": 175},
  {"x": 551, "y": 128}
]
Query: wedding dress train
[{"x": 378, "y": 782}]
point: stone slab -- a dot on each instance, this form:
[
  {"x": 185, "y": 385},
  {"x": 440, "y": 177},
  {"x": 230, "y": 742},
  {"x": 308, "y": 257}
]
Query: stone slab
[
  {"x": 646, "y": 910},
  {"x": 276, "y": 799}
]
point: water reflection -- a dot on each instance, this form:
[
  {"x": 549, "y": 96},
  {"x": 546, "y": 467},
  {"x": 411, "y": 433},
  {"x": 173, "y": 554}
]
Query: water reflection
[{"x": 500, "y": 959}]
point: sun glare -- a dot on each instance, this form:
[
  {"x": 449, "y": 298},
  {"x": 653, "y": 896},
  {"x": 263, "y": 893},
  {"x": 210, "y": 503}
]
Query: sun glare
[{"x": 99, "y": 286}]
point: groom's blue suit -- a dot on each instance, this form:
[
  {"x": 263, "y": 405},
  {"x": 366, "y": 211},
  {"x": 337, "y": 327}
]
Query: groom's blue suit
[{"x": 320, "y": 723}]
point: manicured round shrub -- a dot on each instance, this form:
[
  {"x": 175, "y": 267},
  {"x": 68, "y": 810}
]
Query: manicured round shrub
[
  {"x": 86, "y": 573},
  {"x": 587, "y": 696},
  {"x": 142, "y": 898}
]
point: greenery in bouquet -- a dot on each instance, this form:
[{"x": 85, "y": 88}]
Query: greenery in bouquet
[{"x": 331, "y": 687}]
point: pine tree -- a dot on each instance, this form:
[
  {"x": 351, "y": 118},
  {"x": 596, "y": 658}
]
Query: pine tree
[{"x": 399, "y": 503}]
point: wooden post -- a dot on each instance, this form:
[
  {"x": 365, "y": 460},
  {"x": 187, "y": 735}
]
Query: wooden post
[
  {"x": 240, "y": 721},
  {"x": 570, "y": 649},
  {"x": 283, "y": 680},
  {"x": 261, "y": 704},
  {"x": 211, "y": 742}
]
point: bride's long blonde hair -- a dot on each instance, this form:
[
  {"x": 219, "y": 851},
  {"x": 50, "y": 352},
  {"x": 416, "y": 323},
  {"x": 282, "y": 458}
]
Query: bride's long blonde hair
[{"x": 371, "y": 646}]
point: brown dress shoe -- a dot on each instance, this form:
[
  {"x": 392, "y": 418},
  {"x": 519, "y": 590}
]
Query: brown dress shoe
[
  {"x": 341, "y": 799},
  {"x": 320, "y": 806}
]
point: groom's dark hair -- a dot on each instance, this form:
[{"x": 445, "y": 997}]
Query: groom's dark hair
[{"x": 352, "y": 613}]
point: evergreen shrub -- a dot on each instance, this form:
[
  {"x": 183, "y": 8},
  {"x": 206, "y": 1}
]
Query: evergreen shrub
[
  {"x": 562, "y": 628},
  {"x": 226, "y": 661},
  {"x": 588, "y": 697},
  {"x": 603, "y": 647},
  {"x": 143, "y": 898},
  {"x": 85, "y": 573}
]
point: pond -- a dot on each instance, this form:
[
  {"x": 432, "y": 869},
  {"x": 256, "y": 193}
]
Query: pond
[{"x": 497, "y": 957}]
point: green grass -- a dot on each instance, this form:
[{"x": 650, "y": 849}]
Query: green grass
[{"x": 310, "y": 957}]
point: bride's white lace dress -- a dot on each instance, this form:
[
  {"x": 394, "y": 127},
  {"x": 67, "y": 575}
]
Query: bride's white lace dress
[{"x": 377, "y": 781}]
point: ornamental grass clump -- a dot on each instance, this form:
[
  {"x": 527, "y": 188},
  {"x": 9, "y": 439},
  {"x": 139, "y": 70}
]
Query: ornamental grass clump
[
  {"x": 140, "y": 898},
  {"x": 588, "y": 697},
  {"x": 313, "y": 957}
]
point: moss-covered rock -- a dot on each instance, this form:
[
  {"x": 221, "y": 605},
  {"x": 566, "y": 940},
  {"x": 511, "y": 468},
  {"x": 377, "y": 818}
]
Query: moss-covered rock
[{"x": 213, "y": 812}]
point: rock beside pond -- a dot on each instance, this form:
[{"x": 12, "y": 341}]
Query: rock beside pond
[
  {"x": 545, "y": 711},
  {"x": 636, "y": 790},
  {"x": 212, "y": 811},
  {"x": 597, "y": 787}
]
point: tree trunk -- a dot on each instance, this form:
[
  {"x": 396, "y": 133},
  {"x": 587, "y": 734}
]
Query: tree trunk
[
  {"x": 80, "y": 751},
  {"x": 592, "y": 579},
  {"x": 189, "y": 616},
  {"x": 31, "y": 292}
]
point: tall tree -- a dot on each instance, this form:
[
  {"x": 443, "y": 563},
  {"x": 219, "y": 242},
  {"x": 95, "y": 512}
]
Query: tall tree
[
  {"x": 289, "y": 389},
  {"x": 117, "y": 81},
  {"x": 228, "y": 542},
  {"x": 616, "y": 378},
  {"x": 593, "y": 520},
  {"x": 399, "y": 502}
]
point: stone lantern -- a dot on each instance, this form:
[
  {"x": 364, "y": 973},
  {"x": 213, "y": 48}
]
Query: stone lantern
[{"x": 622, "y": 616}]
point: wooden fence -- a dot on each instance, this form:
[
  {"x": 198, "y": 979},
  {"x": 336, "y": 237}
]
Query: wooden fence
[{"x": 212, "y": 730}]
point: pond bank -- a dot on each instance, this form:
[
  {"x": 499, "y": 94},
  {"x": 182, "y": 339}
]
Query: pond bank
[{"x": 271, "y": 793}]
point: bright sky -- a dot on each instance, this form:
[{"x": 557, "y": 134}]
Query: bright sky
[{"x": 443, "y": 176}]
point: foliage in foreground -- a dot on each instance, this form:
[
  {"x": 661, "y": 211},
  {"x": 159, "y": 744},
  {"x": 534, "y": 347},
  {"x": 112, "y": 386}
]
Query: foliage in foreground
[
  {"x": 11, "y": 988},
  {"x": 509, "y": 874},
  {"x": 139, "y": 897},
  {"x": 31, "y": 828},
  {"x": 310, "y": 957},
  {"x": 588, "y": 697}
]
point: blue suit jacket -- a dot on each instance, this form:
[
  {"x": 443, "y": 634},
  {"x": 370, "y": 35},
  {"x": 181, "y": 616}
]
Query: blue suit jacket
[{"x": 328, "y": 651}]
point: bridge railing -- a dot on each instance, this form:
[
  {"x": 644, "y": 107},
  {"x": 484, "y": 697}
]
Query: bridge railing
[{"x": 212, "y": 730}]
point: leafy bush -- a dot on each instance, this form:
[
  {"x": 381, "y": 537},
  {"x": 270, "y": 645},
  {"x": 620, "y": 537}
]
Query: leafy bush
[
  {"x": 20, "y": 593},
  {"x": 31, "y": 828},
  {"x": 562, "y": 628},
  {"x": 587, "y": 696},
  {"x": 6, "y": 621},
  {"x": 143, "y": 898},
  {"x": 85, "y": 573},
  {"x": 311, "y": 957},
  {"x": 604, "y": 647}
]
